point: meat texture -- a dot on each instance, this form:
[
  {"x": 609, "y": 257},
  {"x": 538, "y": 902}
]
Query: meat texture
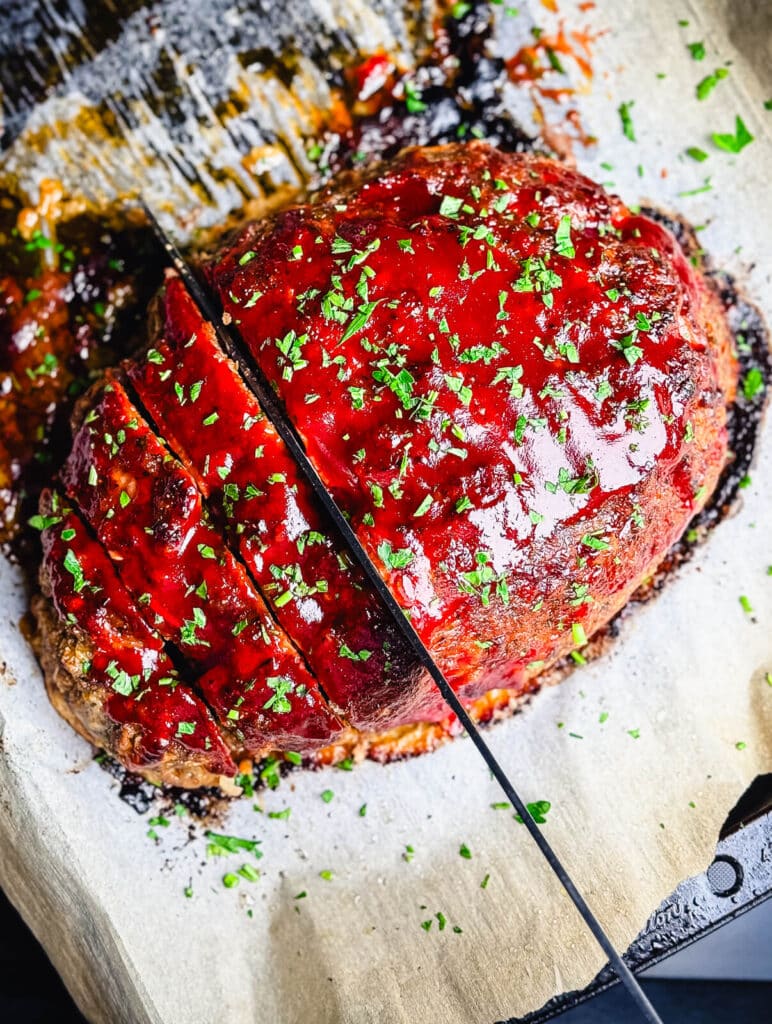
[{"x": 514, "y": 386}]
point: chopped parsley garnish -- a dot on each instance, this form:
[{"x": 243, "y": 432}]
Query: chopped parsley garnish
[
  {"x": 451, "y": 206},
  {"x": 394, "y": 559},
  {"x": 537, "y": 276},
  {"x": 709, "y": 83},
  {"x": 279, "y": 702},
  {"x": 73, "y": 566},
  {"x": 424, "y": 507},
  {"x": 697, "y": 154},
  {"x": 413, "y": 100},
  {"x": 563, "y": 244},
  {"x": 327, "y": 795},
  {"x": 627, "y": 346},
  {"x": 697, "y": 50},
  {"x": 345, "y": 652},
  {"x": 628, "y": 129},
  {"x": 734, "y": 143},
  {"x": 512, "y": 375},
  {"x": 486, "y": 353},
  {"x": 483, "y": 581},
  {"x": 220, "y": 845},
  {"x": 578, "y": 634},
  {"x": 280, "y": 815},
  {"x": 189, "y": 627},
  {"x": 595, "y": 543},
  {"x": 538, "y": 811},
  {"x": 43, "y": 522},
  {"x": 291, "y": 347},
  {"x": 574, "y": 484},
  {"x": 465, "y": 852},
  {"x": 459, "y": 388}
]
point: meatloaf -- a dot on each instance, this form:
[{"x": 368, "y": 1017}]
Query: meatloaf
[{"x": 514, "y": 386}]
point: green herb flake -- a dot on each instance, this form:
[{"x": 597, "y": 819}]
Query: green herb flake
[
  {"x": 279, "y": 701},
  {"x": 280, "y": 815},
  {"x": 578, "y": 634},
  {"x": 413, "y": 101},
  {"x": 394, "y": 559},
  {"x": 706, "y": 86},
  {"x": 73, "y": 566},
  {"x": 538, "y": 811},
  {"x": 628, "y": 129},
  {"x": 220, "y": 845},
  {"x": 734, "y": 143},
  {"x": 451, "y": 206},
  {"x": 563, "y": 244},
  {"x": 43, "y": 522},
  {"x": 753, "y": 383}
]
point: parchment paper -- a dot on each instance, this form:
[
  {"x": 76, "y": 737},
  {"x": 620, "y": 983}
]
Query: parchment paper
[{"x": 632, "y": 814}]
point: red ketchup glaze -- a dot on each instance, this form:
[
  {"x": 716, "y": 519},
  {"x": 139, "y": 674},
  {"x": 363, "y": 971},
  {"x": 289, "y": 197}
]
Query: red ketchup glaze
[
  {"x": 145, "y": 509},
  {"x": 500, "y": 373},
  {"x": 267, "y": 513},
  {"x": 137, "y": 684}
]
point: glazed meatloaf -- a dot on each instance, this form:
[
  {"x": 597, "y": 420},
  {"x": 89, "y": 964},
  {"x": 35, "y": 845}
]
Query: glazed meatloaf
[{"x": 514, "y": 386}]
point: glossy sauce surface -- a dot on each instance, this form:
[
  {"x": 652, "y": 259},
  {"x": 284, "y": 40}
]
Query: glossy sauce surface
[
  {"x": 502, "y": 375},
  {"x": 268, "y": 515},
  {"x": 146, "y": 511}
]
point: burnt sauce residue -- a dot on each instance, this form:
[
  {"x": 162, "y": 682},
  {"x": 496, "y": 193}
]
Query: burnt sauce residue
[{"x": 73, "y": 301}]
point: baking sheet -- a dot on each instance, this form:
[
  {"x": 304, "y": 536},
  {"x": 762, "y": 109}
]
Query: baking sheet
[{"x": 637, "y": 799}]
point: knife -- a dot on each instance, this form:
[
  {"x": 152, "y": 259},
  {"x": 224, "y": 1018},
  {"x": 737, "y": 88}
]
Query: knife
[{"x": 273, "y": 408}]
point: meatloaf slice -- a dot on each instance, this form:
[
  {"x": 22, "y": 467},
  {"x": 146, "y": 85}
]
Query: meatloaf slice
[
  {"x": 267, "y": 512},
  {"x": 108, "y": 673},
  {"x": 145, "y": 509},
  {"x": 514, "y": 386}
]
